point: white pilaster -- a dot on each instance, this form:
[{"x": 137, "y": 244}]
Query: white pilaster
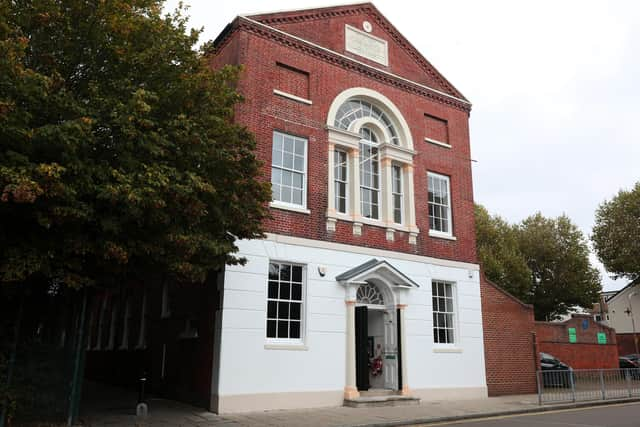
[
  {"x": 386, "y": 207},
  {"x": 350, "y": 388},
  {"x": 403, "y": 357},
  {"x": 409, "y": 203},
  {"x": 331, "y": 209}
]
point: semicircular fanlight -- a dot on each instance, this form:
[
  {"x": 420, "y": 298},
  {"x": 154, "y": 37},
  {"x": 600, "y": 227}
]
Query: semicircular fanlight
[{"x": 369, "y": 294}]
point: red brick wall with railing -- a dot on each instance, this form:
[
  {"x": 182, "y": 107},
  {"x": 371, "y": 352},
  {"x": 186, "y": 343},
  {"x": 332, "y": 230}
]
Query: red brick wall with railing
[{"x": 586, "y": 352}]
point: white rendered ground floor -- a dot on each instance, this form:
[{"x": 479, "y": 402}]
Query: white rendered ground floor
[{"x": 306, "y": 323}]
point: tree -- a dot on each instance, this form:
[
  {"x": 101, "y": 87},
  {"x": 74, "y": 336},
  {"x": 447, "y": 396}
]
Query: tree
[
  {"x": 542, "y": 261},
  {"x": 557, "y": 254},
  {"x": 119, "y": 158},
  {"x": 616, "y": 234},
  {"x": 499, "y": 254}
]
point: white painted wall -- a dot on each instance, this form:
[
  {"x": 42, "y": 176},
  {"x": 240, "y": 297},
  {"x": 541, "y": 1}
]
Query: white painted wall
[
  {"x": 618, "y": 319},
  {"x": 248, "y": 366}
]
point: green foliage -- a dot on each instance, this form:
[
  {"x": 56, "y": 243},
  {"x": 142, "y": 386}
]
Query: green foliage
[
  {"x": 557, "y": 253},
  {"x": 542, "y": 261},
  {"x": 119, "y": 156},
  {"x": 616, "y": 234},
  {"x": 499, "y": 254}
]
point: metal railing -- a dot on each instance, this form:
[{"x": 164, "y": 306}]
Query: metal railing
[{"x": 587, "y": 384}]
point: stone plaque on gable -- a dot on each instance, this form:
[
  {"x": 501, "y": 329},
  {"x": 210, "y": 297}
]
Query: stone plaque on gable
[{"x": 366, "y": 45}]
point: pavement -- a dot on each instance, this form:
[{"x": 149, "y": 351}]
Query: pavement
[{"x": 119, "y": 410}]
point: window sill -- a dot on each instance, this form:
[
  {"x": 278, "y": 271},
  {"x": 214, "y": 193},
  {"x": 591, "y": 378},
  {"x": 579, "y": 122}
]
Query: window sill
[
  {"x": 288, "y": 347},
  {"x": 441, "y": 235},
  {"x": 287, "y": 207},
  {"x": 438, "y": 143},
  {"x": 447, "y": 350},
  {"x": 374, "y": 222},
  {"x": 292, "y": 97}
]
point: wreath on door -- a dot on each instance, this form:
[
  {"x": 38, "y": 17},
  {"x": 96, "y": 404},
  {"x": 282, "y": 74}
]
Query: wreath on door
[{"x": 376, "y": 366}]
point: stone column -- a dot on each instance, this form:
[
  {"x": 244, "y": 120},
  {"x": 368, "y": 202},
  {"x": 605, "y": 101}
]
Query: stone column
[
  {"x": 350, "y": 389},
  {"x": 386, "y": 182},
  {"x": 410, "y": 205},
  {"x": 403, "y": 343}
]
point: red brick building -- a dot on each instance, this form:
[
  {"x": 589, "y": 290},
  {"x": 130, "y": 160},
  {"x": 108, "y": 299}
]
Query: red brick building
[
  {"x": 370, "y": 255},
  {"x": 366, "y": 146}
]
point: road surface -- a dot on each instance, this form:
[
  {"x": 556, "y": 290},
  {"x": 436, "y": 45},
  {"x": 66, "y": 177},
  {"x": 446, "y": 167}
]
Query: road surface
[{"x": 621, "y": 415}]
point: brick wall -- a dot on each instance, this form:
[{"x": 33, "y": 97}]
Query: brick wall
[
  {"x": 626, "y": 344},
  {"x": 509, "y": 342},
  {"x": 260, "y": 52},
  {"x": 585, "y": 353}
]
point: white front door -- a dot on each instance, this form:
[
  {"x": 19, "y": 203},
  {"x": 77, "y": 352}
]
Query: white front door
[{"x": 390, "y": 352}]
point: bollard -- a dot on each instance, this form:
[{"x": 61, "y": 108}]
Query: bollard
[{"x": 141, "y": 408}]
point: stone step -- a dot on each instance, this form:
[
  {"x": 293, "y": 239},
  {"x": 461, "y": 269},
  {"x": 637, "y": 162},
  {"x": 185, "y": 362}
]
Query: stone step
[
  {"x": 380, "y": 401},
  {"x": 373, "y": 392}
]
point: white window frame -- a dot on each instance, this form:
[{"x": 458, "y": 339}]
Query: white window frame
[
  {"x": 293, "y": 343},
  {"x": 438, "y": 233},
  {"x": 286, "y": 205},
  {"x": 345, "y": 182},
  {"x": 380, "y": 205},
  {"x": 395, "y": 194},
  {"x": 454, "y": 314}
]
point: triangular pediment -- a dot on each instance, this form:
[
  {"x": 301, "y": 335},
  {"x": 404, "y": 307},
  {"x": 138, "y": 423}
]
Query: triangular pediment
[
  {"x": 382, "y": 268},
  {"x": 361, "y": 32}
]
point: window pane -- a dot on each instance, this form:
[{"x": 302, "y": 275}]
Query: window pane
[
  {"x": 287, "y": 160},
  {"x": 287, "y": 178},
  {"x": 283, "y": 329},
  {"x": 272, "y": 310},
  {"x": 449, "y": 306},
  {"x": 273, "y": 289},
  {"x": 284, "y": 291},
  {"x": 298, "y": 163},
  {"x": 276, "y": 176},
  {"x": 288, "y": 144},
  {"x": 295, "y": 329},
  {"x": 285, "y": 194},
  {"x": 297, "y": 180},
  {"x": 274, "y": 271},
  {"x": 299, "y": 150},
  {"x": 296, "y": 275},
  {"x": 296, "y": 292},
  {"x": 271, "y": 328},
  {"x": 283, "y": 310},
  {"x": 448, "y": 290},
  {"x": 285, "y": 272},
  {"x": 442, "y": 335},
  {"x": 295, "y": 311},
  {"x": 296, "y": 197}
]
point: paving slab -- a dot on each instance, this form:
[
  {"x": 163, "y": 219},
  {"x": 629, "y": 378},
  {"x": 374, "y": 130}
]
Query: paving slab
[{"x": 170, "y": 413}]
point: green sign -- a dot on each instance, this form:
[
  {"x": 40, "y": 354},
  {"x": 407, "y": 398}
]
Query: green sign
[
  {"x": 572, "y": 335},
  {"x": 602, "y": 338}
]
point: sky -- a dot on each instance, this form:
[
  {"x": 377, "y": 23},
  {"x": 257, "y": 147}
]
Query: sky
[{"x": 554, "y": 87}]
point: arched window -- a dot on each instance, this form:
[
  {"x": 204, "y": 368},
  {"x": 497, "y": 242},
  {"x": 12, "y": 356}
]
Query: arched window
[
  {"x": 370, "y": 164},
  {"x": 369, "y": 294},
  {"x": 355, "y": 109}
]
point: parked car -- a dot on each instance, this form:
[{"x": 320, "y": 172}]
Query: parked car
[
  {"x": 554, "y": 372},
  {"x": 630, "y": 367},
  {"x": 632, "y": 357}
]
